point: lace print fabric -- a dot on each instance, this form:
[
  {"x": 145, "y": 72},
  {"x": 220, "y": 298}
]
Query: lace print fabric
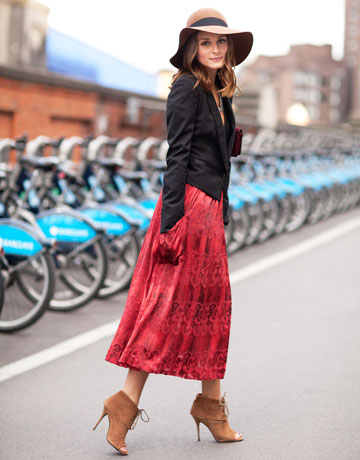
[{"x": 177, "y": 315}]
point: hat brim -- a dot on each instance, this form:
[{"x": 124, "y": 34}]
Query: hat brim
[{"x": 243, "y": 42}]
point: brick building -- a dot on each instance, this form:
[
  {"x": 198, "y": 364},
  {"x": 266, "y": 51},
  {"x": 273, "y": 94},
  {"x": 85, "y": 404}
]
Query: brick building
[
  {"x": 352, "y": 57},
  {"x": 55, "y": 85},
  {"x": 44, "y": 103},
  {"x": 307, "y": 75}
]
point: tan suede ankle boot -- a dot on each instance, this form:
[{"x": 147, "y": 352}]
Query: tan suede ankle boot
[
  {"x": 213, "y": 413},
  {"x": 123, "y": 414}
]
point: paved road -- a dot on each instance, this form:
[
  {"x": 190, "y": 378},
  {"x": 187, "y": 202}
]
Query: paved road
[{"x": 292, "y": 381}]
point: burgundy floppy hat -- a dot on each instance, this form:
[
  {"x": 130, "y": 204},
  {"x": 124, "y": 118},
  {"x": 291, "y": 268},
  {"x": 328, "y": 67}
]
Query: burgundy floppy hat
[{"x": 211, "y": 20}]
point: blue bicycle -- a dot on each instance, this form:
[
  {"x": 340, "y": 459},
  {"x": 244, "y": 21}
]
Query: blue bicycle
[{"x": 27, "y": 275}]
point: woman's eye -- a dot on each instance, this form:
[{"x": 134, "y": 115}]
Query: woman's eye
[{"x": 221, "y": 41}]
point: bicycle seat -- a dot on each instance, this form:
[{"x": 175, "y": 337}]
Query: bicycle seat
[
  {"x": 71, "y": 176},
  {"x": 110, "y": 163},
  {"x": 113, "y": 142},
  {"x": 155, "y": 164},
  {"x": 44, "y": 163},
  {"x": 133, "y": 175}
]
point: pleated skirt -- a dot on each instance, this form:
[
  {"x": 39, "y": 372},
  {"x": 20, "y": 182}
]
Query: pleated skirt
[{"x": 177, "y": 318}]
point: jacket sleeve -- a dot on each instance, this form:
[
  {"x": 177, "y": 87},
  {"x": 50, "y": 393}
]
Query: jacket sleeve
[
  {"x": 181, "y": 109},
  {"x": 226, "y": 211},
  {"x": 226, "y": 216}
]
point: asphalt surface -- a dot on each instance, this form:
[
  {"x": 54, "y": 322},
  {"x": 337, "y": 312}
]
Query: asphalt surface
[{"x": 292, "y": 379}]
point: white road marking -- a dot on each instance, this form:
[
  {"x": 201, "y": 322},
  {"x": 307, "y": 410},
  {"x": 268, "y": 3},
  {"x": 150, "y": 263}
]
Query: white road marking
[
  {"x": 107, "y": 330},
  {"x": 296, "y": 250},
  {"x": 57, "y": 351}
]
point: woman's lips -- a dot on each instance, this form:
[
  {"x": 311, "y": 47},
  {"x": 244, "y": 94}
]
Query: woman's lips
[{"x": 215, "y": 59}]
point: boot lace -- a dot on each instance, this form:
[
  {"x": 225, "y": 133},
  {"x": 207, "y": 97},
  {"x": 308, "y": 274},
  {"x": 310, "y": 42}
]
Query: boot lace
[
  {"x": 224, "y": 403},
  {"x": 140, "y": 413}
]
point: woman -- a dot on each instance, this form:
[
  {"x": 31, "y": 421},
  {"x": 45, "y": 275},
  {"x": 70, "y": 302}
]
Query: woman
[{"x": 177, "y": 315}]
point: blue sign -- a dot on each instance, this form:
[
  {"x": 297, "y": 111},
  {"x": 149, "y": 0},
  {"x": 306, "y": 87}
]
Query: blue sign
[
  {"x": 110, "y": 222},
  {"x": 65, "y": 227},
  {"x": 18, "y": 242}
]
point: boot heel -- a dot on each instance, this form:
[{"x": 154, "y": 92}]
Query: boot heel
[
  {"x": 213, "y": 413},
  {"x": 123, "y": 415},
  {"x": 101, "y": 417},
  {"x": 197, "y": 426}
]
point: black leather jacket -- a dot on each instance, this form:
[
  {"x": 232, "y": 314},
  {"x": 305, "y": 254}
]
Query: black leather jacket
[{"x": 198, "y": 153}]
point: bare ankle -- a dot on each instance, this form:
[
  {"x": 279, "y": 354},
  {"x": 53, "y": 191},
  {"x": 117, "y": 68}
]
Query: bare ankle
[
  {"x": 135, "y": 398},
  {"x": 211, "y": 388},
  {"x": 212, "y": 395},
  {"x": 134, "y": 384}
]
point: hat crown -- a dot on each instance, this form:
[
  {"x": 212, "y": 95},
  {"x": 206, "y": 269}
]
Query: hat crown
[{"x": 204, "y": 13}]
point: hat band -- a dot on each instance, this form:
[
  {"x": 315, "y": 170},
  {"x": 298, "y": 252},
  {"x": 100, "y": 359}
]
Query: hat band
[{"x": 209, "y": 22}]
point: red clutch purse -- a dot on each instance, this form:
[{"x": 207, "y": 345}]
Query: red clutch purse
[{"x": 237, "y": 143}]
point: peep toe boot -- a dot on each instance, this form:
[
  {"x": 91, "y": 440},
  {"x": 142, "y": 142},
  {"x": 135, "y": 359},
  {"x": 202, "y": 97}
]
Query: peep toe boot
[
  {"x": 213, "y": 413},
  {"x": 123, "y": 415}
]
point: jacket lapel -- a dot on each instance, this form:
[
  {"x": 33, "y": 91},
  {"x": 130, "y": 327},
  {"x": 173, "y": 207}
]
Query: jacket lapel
[{"x": 221, "y": 135}]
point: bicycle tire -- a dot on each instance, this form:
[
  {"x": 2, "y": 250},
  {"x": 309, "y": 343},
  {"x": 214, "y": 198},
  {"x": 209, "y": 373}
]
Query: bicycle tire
[
  {"x": 228, "y": 229},
  {"x": 284, "y": 214},
  {"x": 84, "y": 294},
  {"x": 111, "y": 284},
  {"x": 241, "y": 226},
  {"x": 256, "y": 219},
  {"x": 1, "y": 291},
  {"x": 301, "y": 207},
  {"x": 42, "y": 302},
  {"x": 271, "y": 218}
]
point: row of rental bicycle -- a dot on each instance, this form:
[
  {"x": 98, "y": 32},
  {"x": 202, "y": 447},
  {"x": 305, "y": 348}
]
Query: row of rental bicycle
[{"x": 74, "y": 211}]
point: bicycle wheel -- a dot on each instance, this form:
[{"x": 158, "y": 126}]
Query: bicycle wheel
[
  {"x": 28, "y": 288},
  {"x": 241, "y": 225},
  {"x": 271, "y": 217},
  {"x": 284, "y": 205},
  {"x": 316, "y": 211},
  {"x": 122, "y": 256},
  {"x": 301, "y": 206},
  {"x": 228, "y": 229},
  {"x": 256, "y": 222},
  {"x": 1, "y": 291},
  {"x": 80, "y": 272}
]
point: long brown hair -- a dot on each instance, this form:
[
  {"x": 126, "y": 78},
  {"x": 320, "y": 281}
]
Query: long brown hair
[{"x": 192, "y": 66}]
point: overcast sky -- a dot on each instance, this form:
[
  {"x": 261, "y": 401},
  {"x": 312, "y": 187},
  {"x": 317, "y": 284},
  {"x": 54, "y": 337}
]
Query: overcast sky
[{"x": 145, "y": 33}]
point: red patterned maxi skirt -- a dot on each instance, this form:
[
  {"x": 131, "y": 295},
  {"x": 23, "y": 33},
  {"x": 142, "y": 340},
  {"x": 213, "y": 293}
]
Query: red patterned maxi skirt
[{"x": 177, "y": 317}]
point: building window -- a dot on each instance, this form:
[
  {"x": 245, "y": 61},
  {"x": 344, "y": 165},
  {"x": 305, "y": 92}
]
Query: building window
[
  {"x": 352, "y": 31},
  {"x": 306, "y": 78},
  {"x": 352, "y": 61},
  {"x": 324, "y": 97},
  {"x": 335, "y": 82},
  {"x": 313, "y": 79},
  {"x": 335, "y": 98},
  {"x": 352, "y": 45},
  {"x": 299, "y": 94},
  {"x": 299, "y": 78},
  {"x": 306, "y": 95},
  {"x": 314, "y": 95},
  {"x": 314, "y": 112},
  {"x": 334, "y": 115},
  {"x": 325, "y": 81},
  {"x": 353, "y": 14}
]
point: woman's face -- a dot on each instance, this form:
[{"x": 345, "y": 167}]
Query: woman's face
[{"x": 212, "y": 50}]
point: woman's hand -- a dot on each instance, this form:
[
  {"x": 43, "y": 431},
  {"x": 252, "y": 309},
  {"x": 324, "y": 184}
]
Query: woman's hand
[{"x": 169, "y": 246}]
